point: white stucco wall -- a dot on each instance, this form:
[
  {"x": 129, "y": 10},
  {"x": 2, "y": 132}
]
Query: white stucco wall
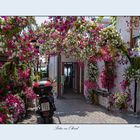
[
  {"x": 103, "y": 101},
  {"x": 124, "y": 30},
  {"x": 53, "y": 64},
  {"x": 86, "y": 78},
  {"x": 53, "y": 67},
  {"x": 67, "y": 59},
  {"x": 86, "y": 70},
  {"x": 100, "y": 66}
]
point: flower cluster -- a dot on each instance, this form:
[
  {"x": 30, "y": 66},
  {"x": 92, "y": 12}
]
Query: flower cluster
[
  {"x": 15, "y": 41},
  {"x": 16, "y": 35},
  {"x": 55, "y": 32},
  {"x": 121, "y": 100},
  {"x": 15, "y": 105},
  {"x": 93, "y": 71},
  {"x": 107, "y": 78},
  {"x": 29, "y": 93},
  {"x": 24, "y": 74},
  {"x": 90, "y": 85},
  {"x": 73, "y": 36},
  {"x": 4, "y": 114},
  {"x": 102, "y": 78},
  {"x": 124, "y": 84},
  {"x": 77, "y": 35},
  {"x": 110, "y": 36},
  {"x": 105, "y": 54},
  {"x": 131, "y": 73}
]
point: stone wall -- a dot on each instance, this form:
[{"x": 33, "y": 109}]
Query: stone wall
[{"x": 103, "y": 101}]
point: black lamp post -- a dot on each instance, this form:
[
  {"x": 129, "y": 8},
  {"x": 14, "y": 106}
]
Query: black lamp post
[
  {"x": 34, "y": 41},
  {"x": 37, "y": 48},
  {"x": 135, "y": 97},
  {"x": 132, "y": 45}
]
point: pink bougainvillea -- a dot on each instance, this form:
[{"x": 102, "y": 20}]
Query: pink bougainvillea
[
  {"x": 15, "y": 105},
  {"x": 102, "y": 78},
  {"x": 72, "y": 36},
  {"x": 29, "y": 93},
  {"x": 24, "y": 74},
  {"x": 4, "y": 114},
  {"x": 90, "y": 85},
  {"x": 106, "y": 79},
  {"x": 124, "y": 84},
  {"x": 121, "y": 100}
]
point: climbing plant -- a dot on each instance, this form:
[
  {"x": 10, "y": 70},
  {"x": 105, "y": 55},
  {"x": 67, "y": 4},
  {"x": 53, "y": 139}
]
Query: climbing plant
[
  {"x": 85, "y": 40},
  {"x": 16, "y": 34}
]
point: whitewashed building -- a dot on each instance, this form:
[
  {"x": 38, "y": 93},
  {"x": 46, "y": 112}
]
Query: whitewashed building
[{"x": 79, "y": 75}]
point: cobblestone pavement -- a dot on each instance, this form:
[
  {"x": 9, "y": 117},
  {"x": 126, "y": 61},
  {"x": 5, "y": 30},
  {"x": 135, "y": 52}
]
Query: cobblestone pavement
[{"x": 72, "y": 109}]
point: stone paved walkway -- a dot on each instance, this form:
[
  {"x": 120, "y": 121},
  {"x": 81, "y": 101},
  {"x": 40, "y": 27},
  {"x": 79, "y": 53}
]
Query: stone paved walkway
[{"x": 72, "y": 109}]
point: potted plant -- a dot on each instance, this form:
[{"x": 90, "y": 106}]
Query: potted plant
[{"x": 122, "y": 100}]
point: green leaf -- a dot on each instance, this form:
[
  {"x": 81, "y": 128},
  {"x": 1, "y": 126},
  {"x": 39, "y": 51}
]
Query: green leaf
[{"x": 100, "y": 19}]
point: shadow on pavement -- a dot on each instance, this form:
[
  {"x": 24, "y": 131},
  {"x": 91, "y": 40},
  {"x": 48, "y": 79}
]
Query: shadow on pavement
[{"x": 75, "y": 105}]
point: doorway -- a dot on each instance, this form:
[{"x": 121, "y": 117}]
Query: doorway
[
  {"x": 69, "y": 75},
  {"x": 73, "y": 77}
]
